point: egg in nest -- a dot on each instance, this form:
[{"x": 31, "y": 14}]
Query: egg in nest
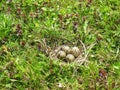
[
  {"x": 61, "y": 54},
  {"x": 75, "y": 51},
  {"x": 70, "y": 57},
  {"x": 66, "y": 48}
]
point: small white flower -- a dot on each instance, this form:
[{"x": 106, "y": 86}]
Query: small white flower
[{"x": 60, "y": 85}]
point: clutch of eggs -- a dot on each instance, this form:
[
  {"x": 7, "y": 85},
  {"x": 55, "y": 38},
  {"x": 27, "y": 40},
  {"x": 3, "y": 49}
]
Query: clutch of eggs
[{"x": 68, "y": 53}]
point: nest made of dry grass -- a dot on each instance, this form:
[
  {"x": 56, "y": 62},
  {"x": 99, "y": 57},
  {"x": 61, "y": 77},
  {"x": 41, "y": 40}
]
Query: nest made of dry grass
[
  {"x": 52, "y": 53},
  {"x": 79, "y": 59}
]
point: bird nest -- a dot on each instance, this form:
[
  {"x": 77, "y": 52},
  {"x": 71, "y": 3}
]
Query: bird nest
[{"x": 67, "y": 53}]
